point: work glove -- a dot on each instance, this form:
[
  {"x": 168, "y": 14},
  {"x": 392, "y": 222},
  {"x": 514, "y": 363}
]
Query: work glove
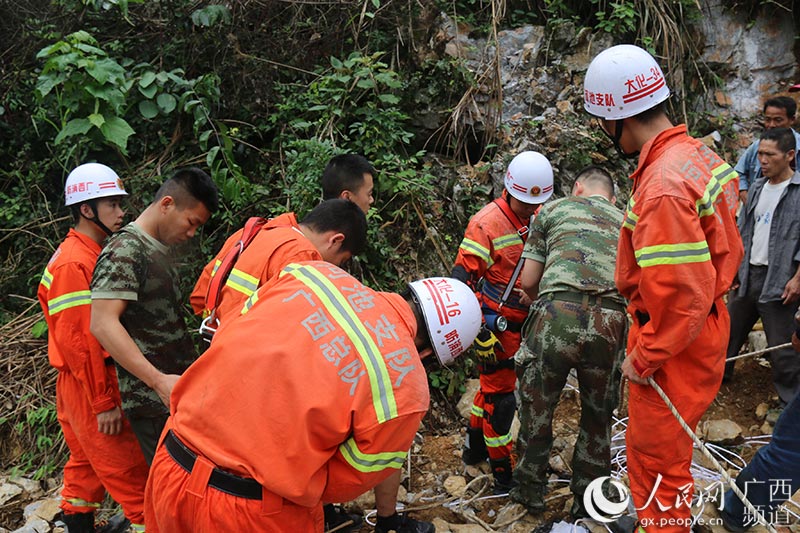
[{"x": 485, "y": 344}]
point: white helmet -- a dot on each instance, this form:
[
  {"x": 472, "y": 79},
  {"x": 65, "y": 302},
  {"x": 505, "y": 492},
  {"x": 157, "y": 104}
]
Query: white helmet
[
  {"x": 623, "y": 81},
  {"x": 90, "y": 181},
  {"x": 452, "y": 314},
  {"x": 529, "y": 178}
]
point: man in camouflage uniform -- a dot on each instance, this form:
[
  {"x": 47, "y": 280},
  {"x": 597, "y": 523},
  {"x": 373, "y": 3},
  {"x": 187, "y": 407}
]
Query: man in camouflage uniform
[
  {"x": 578, "y": 321},
  {"x": 136, "y": 304}
]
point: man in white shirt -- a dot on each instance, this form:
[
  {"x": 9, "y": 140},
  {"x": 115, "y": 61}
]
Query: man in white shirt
[{"x": 768, "y": 281}]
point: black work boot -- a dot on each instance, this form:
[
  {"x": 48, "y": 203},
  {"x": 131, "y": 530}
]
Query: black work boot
[
  {"x": 402, "y": 523},
  {"x": 474, "y": 447},
  {"x": 116, "y": 524},
  {"x": 501, "y": 470},
  {"x": 78, "y": 523},
  {"x": 335, "y": 517}
]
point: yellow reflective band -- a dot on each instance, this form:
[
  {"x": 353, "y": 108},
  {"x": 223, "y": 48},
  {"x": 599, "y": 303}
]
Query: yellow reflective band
[
  {"x": 71, "y": 299},
  {"x": 138, "y": 528},
  {"x": 250, "y": 302},
  {"x": 477, "y": 411},
  {"x": 496, "y": 442},
  {"x": 78, "y": 502},
  {"x": 631, "y": 218},
  {"x": 217, "y": 263},
  {"x": 473, "y": 248},
  {"x": 370, "y": 462},
  {"x": 673, "y": 254},
  {"x": 47, "y": 279},
  {"x": 242, "y": 282},
  {"x": 724, "y": 173},
  {"x": 382, "y": 393},
  {"x": 506, "y": 240}
]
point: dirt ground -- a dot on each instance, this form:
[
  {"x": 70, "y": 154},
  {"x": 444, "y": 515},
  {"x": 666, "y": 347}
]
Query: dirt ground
[
  {"x": 437, "y": 455},
  {"x": 440, "y": 455}
]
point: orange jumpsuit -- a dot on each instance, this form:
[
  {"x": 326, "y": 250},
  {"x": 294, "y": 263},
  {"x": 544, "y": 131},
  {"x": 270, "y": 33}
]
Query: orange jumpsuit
[
  {"x": 491, "y": 248},
  {"x": 279, "y": 243},
  {"x": 87, "y": 386},
  {"x": 679, "y": 251},
  {"x": 316, "y": 393}
]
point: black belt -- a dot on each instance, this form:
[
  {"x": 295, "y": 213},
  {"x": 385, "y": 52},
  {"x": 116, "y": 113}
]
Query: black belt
[
  {"x": 223, "y": 481},
  {"x": 585, "y": 299}
]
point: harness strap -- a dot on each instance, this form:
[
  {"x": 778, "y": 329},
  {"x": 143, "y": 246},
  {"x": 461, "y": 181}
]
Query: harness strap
[{"x": 251, "y": 229}]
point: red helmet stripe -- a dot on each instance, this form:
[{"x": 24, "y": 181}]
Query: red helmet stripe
[
  {"x": 641, "y": 93},
  {"x": 437, "y": 301}
]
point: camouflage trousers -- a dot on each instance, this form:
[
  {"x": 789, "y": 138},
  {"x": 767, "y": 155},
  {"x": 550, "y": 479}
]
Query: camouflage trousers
[{"x": 557, "y": 337}]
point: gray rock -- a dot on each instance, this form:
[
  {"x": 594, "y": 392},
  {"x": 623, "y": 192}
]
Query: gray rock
[
  {"x": 464, "y": 405},
  {"x": 753, "y": 60},
  {"x": 9, "y": 491},
  {"x": 34, "y": 525},
  {"x": 45, "y": 509},
  {"x": 455, "y": 485},
  {"x": 723, "y": 431}
]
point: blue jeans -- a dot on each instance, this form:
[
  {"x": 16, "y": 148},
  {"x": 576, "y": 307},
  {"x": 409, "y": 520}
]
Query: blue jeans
[{"x": 774, "y": 473}]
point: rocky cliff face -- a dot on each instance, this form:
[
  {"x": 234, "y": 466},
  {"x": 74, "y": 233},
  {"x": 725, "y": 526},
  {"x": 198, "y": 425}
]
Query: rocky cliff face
[
  {"x": 753, "y": 61},
  {"x": 529, "y": 85}
]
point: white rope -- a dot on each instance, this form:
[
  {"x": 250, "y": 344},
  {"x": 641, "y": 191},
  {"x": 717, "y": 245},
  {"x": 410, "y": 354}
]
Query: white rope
[
  {"x": 707, "y": 454},
  {"x": 760, "y": 352}
]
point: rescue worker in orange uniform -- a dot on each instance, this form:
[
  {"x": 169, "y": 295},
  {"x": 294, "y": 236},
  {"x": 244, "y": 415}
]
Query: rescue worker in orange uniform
[
  {"x": 313, "y": 395},
  {"x": 488, "y": 257},
  {"x": 104, "y": 454},
  {"x": 333, "y": 231},
  {"x": 678, "y": 253}
]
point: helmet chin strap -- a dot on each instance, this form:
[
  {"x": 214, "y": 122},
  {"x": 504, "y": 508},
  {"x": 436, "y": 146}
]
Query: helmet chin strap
[
  {"x": 93, "y": 204},
  {"x": 616, "y": 138}
]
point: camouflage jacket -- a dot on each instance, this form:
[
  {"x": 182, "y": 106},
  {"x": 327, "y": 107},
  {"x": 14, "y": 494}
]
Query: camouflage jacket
[
  {"x": 576, "y": 239},
  {"x": 137, "y": 268}
]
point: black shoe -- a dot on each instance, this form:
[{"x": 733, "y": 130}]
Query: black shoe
[
  {"x": 730, "y": 524},
  {"x": 402, "y": 523},
  {"x": 336, "y": 517},
  {"x": 116, "y": 524},
  {"x": 78, "y": 523},
  {"x": 502, "y": 487}
]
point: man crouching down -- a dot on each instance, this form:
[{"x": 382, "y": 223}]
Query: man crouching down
[{"x": 313, "y": 395}]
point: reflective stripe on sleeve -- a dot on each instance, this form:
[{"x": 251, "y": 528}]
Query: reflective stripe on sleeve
[
  {"x": 505, "y": 241},
  {"x": 217, "y": 263},
  {"x": 673, "y": 254},
  {"x": 47, "y": 279},
  {"x": 370, "y": 462},
  {"x": 250, "y": 302},
  {"x": 720, "y": 177},
  {"x": 477, "y": 411},
  {"x": 473, "y": 248},
  {"x": 242, "y": 282},
  {"x": 71, "y": 299},
  {"x": 631, "y": 218},
  {"x": 336, "y": 304}
]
